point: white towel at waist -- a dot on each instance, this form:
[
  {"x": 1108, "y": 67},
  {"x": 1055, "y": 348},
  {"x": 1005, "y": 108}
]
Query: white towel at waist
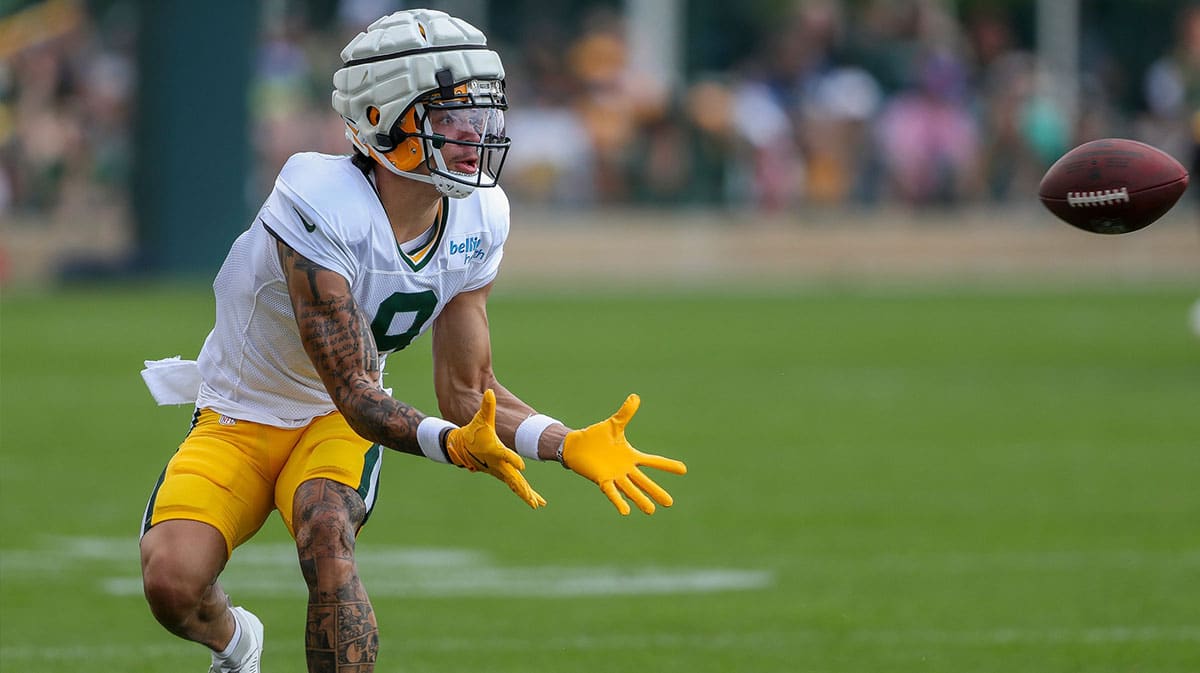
[{"x": 172, "y": 380}]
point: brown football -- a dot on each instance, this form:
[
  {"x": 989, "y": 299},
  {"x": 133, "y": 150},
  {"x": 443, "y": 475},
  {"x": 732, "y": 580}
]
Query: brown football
[{"x": 1113, "y": 185}]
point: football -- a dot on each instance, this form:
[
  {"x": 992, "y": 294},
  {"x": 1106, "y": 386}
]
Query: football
[{"x": 1113, "y": 185}]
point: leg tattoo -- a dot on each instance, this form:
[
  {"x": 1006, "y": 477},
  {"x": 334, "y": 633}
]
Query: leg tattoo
[{"x": 341, "y": 635}]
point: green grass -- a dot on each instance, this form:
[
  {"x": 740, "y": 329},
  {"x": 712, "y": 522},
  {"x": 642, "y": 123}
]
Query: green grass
[{"x": 883, "y": 480}]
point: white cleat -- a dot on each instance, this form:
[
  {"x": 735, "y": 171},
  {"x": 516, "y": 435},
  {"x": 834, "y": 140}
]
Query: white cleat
[{"x": 246, "y": 656}]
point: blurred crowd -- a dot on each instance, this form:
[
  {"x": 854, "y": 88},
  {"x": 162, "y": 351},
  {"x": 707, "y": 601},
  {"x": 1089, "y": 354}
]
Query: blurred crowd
[{"x": 839, "y": 103}]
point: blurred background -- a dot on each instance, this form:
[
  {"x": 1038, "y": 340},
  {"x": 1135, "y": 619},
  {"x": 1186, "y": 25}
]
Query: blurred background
[
  {"x": 929, "y": 428},
  {"x": 142, "y": 135}
]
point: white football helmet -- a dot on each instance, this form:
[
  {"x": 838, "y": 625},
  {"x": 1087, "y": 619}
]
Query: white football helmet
[{"x": 419, "y": 82}]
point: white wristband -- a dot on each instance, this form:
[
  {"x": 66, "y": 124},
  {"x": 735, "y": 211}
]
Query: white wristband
[
  {"x": 530, "y": 431},
  {"x": 429, "y": 434}
]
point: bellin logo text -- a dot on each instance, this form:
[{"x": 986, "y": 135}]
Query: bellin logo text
[{"x": 471, "y": 245}]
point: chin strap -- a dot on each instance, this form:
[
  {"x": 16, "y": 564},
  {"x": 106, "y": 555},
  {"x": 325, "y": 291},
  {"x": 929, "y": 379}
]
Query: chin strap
[{"x": 446, "y": 186}]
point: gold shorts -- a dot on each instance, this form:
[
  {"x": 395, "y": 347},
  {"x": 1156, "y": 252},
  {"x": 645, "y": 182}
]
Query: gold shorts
[{"x": 231, "y": 473}]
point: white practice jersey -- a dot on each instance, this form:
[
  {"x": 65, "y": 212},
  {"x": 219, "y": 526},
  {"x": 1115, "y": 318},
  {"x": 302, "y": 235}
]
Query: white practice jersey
[{"x": 253, "y": 364}]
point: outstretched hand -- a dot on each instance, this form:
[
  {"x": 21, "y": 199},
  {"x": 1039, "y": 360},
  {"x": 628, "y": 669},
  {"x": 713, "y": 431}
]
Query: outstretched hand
[
  {"x": 476, "y": 447},
  {"x": 601, "y": 453}
]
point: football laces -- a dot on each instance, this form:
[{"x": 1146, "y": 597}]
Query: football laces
[{"x": 1105, "y": 197}]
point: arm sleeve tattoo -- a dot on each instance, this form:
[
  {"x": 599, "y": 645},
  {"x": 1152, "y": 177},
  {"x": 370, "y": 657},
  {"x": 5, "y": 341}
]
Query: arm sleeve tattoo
[{"x": 337, "y": 337}]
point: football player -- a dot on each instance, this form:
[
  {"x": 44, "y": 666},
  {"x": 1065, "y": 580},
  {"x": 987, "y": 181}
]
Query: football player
[{"x": 349, "y": 259}]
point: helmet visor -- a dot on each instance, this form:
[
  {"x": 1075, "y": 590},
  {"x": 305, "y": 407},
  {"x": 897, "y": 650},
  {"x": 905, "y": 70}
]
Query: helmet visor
[{"x": 467, "y": 143}]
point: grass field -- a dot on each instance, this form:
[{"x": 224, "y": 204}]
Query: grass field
[{"x": 881, "y": 480}]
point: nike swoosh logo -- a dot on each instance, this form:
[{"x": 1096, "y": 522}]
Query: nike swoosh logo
[
  {"x": 477, "y": 459},
  {"x": 308, "y": 226}
]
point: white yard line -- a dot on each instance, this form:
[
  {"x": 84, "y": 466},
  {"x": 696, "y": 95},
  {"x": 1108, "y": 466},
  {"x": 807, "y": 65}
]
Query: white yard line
[
  {"x": 271, "y": 570},
  {"x": 489, "y": 581}
]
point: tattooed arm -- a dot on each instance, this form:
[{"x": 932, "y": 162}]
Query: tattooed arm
[{"x": 337, "y": 338}]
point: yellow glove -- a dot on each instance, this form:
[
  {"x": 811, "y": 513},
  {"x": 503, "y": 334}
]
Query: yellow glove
[
  {"x": 476, "y": 447},
  {"x": 601, "y": 453}
]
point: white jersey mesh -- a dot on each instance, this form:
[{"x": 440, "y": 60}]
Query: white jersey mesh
[{"x": 253, "y": 363}]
